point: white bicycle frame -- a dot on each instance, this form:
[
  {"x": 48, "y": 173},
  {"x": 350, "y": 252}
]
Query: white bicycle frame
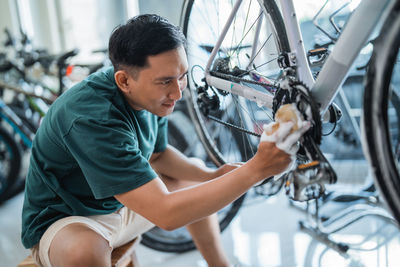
[{"x": 354, "y": 36}]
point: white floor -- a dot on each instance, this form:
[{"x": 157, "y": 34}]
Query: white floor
[{"x": 265, "y": 233}]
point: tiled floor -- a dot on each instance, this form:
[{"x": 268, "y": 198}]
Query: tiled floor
[{"x": 265, "y": 233}]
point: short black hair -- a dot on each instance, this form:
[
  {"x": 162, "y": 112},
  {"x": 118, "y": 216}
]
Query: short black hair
[{"x": 130, "y": 44}]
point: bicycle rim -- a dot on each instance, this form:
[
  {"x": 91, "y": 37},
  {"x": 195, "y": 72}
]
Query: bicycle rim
[
  {"x": 203, "y": 22},
  {"x": 381, "y": 118}
]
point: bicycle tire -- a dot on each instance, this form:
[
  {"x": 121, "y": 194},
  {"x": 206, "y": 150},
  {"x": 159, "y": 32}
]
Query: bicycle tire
[
  {"x": 10, "y": 163},
  {"x": 178, "y": 240},
  {"x": 213, "y": 135},
  {"x": 180, "y": 135},
  {"x": 29, "y": 122},
  {"x": 381, "y": 138}
]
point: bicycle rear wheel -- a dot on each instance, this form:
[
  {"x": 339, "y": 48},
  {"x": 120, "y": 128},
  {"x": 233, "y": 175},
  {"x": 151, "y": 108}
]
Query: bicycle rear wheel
[
  {"x": 202, "y": 22},
  {"x": 180, "y": 240},
  {"x": 10, "y": 162},
  {"x": 381, "y": 118}
]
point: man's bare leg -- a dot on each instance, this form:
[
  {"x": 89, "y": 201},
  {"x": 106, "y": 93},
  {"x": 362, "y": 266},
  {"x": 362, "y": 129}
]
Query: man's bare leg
[
  {"x": 205, "y": 232},
  {"x": 77, "y": 245},
  {"x": 206, "y": 235}
]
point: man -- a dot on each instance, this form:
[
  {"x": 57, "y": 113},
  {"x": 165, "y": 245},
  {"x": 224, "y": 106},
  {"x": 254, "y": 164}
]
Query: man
[{"x": 101, "y": 172}]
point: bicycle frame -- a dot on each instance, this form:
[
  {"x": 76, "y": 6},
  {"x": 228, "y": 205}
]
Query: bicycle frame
[
  {"x": 324, "y": 89},
  {"x": 359, "y": 27}
]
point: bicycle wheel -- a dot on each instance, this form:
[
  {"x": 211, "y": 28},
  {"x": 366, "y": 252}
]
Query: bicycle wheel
[
  {"x": 10, "y": 162},
  {"x": 180, "y": 240},
  {"x": 381, "y": 119},
  {"x": 232, "y": 139},
  {"x": 180, "y": 135}
]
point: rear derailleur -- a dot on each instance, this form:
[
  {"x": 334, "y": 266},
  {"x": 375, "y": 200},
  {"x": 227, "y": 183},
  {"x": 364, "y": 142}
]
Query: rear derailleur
[{"x": 307, "y": 180}]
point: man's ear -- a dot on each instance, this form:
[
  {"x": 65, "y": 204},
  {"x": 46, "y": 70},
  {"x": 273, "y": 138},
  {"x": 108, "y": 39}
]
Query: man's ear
[{"x": 122, "y": 80}]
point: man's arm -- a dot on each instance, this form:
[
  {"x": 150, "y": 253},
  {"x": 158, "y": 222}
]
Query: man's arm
[
  {"x": 170, "y": 210},
  {"x": 172, "y": 163}
]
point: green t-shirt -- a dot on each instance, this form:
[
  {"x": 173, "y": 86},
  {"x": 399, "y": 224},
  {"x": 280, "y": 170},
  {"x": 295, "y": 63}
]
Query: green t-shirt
[{"x": 90, "y": 146}]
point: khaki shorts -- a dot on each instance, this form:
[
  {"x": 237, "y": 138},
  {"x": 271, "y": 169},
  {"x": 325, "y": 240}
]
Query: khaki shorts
[{"x": 117, "y": 228}]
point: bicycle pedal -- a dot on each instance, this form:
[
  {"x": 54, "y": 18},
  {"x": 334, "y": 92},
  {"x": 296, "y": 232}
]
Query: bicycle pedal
[
  {"x": 317, "y": 51},
  {"x": 316, "y": 57},
  {"x": 308, "y": 180},
  {"x": 308, "y": 166}
]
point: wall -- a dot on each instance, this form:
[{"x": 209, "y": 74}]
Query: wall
[{"x": 170, "y": 9}]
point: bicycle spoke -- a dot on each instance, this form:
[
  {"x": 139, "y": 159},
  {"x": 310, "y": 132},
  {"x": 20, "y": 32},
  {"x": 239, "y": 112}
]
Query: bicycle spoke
[
  {"x": 262, "y": 46},
  {"x": 259, "y": 66},
  {"x": 244, "y": 36}
]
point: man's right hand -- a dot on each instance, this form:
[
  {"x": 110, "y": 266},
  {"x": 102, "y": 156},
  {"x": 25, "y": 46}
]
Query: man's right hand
[{"x": 276, "y": 151}]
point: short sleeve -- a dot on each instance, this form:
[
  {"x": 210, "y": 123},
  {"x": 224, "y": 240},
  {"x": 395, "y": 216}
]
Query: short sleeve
[
  {"x": 162, "y": 135},
  {"x": 109, "y": 156}
]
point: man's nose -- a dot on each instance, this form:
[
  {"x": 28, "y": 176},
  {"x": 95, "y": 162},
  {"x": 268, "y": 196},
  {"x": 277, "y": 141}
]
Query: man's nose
[{"x": 176, "y": 90}]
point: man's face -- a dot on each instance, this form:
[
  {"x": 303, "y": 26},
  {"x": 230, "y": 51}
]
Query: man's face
[{"x": 158, "y": 86}]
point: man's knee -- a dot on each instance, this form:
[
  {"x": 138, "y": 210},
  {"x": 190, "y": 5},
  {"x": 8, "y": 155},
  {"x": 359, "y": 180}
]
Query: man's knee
[
  {"x": 174, "y": 184},
  {"x": 77, "y": 245},
  {"x": 197, "y": 161}
]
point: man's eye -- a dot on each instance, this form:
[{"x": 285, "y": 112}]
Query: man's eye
[{"x": 165, "y": 82}]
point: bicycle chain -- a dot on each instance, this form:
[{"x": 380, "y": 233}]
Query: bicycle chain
[
  {"x": 233, "y": 126},
  {"x": 233, "y": 78}
]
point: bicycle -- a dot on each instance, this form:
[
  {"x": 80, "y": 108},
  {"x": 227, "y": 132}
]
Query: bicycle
[
  {"x": 11, "y": 150},
  {"x": 289, "y": 69},
  {"x": 240, "y": 76}
]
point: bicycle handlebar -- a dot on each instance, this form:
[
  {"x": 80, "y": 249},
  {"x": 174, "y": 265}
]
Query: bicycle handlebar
[
  {"x": 10, "y": 40},
  {"x": 61, "y": 60}
]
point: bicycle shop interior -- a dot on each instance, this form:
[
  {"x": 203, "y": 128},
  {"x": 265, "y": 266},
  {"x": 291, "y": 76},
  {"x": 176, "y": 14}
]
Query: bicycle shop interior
[{"x": 47, "y": 46}]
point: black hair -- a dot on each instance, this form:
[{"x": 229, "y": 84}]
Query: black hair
[{"x": 144, "y": 35}]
